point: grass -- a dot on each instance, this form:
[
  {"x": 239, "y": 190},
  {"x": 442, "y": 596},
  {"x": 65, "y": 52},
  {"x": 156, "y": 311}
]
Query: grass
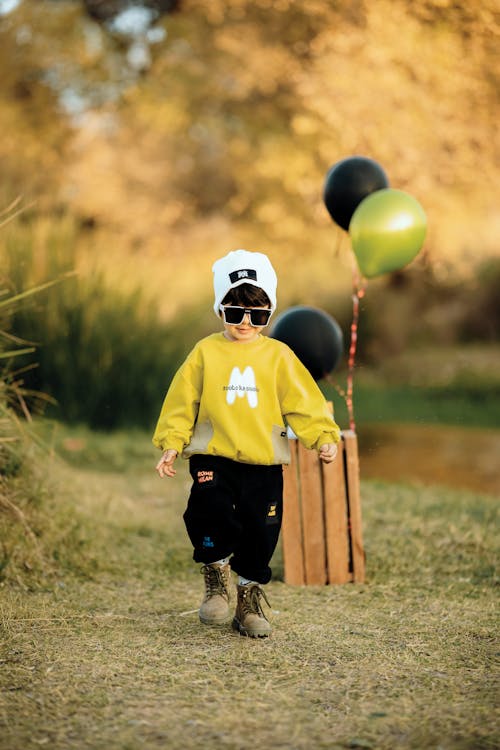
[
  {"x": 451, "y": 385},
  {"x": 475, "y": 405},
  {"x": 111, "y": 654}
]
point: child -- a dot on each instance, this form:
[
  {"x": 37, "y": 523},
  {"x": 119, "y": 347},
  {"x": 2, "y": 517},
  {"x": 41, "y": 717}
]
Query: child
[{"x": 227, "y": 410}]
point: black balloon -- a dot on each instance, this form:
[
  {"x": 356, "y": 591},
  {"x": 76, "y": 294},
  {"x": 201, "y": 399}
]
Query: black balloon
[
  {"x": 314, "y": 336},
  {"x": 347, "y": 183}
]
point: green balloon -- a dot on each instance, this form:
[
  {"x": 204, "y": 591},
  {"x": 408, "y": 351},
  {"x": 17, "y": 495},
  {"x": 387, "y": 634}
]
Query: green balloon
[{"x": 387, "y": 231}]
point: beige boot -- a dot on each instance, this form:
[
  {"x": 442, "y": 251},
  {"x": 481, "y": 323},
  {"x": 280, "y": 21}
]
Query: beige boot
[
  {"x": 249, "y": 618},
  {"x": 214, "y": 609}
]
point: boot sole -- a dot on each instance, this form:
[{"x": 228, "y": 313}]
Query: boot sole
[{"x": 236, "y": 625}]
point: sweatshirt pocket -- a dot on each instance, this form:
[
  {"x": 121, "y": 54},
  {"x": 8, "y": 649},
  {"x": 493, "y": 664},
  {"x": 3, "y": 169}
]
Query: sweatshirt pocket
[
  {"x": 202, "y": 435},
  {"x": 281, "y": 447}
]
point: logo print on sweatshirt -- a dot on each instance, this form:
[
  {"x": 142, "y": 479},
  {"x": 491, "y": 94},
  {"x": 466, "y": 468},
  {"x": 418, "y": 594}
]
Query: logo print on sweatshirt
[{"x": 242, "y": 384}]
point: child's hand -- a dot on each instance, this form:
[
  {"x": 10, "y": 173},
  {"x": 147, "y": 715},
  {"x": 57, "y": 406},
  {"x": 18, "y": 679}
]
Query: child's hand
[
  {"x": 165, "y": 466},
  {"x": 327, "y": 452}
]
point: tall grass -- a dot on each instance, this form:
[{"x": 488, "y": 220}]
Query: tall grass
[
  {"x": 21, "y": 458},
  {"x": 38, "y": 531},
  {"x": 102, "y": 351}
]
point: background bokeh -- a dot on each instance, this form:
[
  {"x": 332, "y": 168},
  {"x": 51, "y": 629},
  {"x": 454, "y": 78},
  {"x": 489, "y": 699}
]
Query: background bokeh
[{"x": 142, "y": 141}]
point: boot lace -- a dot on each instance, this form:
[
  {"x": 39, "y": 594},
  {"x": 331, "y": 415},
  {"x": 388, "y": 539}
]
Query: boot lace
[
  {"x": 251, "y": 601},
  {"x": 215, "y": 582}
]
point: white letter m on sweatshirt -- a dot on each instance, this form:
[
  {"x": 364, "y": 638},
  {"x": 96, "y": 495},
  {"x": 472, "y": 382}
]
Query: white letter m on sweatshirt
[{"x": 242, "y": 384}]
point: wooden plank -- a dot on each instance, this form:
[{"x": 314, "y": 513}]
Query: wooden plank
[
  {"x": 336, "y": 529},
  {"x": 352, "y": 474},
  {"x": 312, "y": 517},
  {"x": 291, "y": 529}
]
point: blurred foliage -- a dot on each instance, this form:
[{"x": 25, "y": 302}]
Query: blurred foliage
[
  {"x": 127, "y": 450},
  {"x": 224, "y": 135},
  {"x": 415, "y": 308},
  {"x": 138, "y": 177},
  {"x": 472, "y": 404},
  {"x": 102, "y": 352},
  {"x": 107, "y": 357}
]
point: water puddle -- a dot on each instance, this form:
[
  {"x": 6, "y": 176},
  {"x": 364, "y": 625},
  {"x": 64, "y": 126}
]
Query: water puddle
[{"x": 467, "y": 458}]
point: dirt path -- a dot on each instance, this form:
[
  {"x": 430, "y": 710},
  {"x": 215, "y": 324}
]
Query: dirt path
[{"x": 121, "y": 661}]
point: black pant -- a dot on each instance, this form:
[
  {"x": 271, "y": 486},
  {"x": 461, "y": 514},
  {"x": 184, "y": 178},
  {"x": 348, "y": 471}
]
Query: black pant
[{"x": 235, "y": 509}]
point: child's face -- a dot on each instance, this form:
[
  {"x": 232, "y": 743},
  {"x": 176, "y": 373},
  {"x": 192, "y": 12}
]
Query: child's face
[{"x": 244, "y": 331}]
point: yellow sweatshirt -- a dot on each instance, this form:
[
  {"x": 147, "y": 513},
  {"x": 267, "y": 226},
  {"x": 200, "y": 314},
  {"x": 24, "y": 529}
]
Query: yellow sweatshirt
[{"x": 236, "y": 399}]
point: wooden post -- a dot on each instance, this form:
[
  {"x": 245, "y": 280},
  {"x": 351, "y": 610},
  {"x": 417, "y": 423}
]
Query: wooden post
[
  {"x": 352, "y": 483},
  {"x": 336, "y": 520},
  {"x": 291, "y": 528},
  {"x": 322, "y": 532}
]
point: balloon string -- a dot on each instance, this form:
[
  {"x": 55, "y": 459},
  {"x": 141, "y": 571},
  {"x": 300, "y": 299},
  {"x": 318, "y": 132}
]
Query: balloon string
[{"x": 359, "y": 288}]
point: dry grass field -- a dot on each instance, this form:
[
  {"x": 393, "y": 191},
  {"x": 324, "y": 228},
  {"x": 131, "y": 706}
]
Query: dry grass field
[{"x": 112, "y": 656}]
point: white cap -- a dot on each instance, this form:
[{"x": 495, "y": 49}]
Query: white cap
[{"x": 243, "y": 267}]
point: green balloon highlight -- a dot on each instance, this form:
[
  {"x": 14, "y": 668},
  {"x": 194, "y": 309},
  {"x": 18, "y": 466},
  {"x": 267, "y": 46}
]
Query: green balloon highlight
[{"x": 387, "y": 231}]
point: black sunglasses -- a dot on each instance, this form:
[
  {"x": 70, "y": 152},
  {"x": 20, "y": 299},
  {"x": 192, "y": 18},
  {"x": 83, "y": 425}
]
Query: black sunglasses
[{"x": 233, "y": 315}]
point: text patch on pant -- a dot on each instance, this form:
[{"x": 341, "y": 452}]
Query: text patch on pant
[
  {"x": 272, "y": 513},
  {"x": 205, "y": 476}
]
